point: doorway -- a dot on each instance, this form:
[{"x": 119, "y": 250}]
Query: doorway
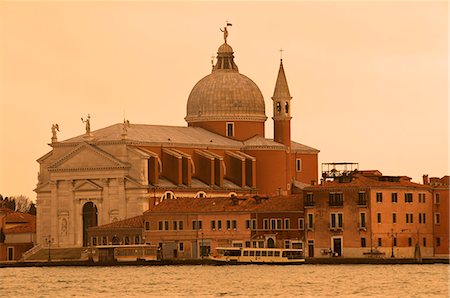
[
  {"x": 337, "y": 246},
  {"x": 311, "y": 248},
  {"x": 89, "y": 220},
  {"x": 270, "y": 243}
]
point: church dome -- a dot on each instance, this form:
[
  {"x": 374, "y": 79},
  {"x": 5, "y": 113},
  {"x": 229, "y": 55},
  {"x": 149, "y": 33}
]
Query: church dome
[{"x": 225, "y": 94}]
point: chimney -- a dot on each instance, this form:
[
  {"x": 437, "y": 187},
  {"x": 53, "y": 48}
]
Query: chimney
[{"x": 425, "y": 180}]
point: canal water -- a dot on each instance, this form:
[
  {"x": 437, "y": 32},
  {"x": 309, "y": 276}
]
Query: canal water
[{"x": 228, "y": 281}]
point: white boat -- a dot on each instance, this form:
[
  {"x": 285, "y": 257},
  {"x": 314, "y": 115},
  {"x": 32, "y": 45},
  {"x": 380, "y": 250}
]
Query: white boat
[{"x": 246, "y": 255}]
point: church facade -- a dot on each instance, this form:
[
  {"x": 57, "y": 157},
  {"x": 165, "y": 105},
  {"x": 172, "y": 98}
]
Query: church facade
[{"x": 120, "y": 171}]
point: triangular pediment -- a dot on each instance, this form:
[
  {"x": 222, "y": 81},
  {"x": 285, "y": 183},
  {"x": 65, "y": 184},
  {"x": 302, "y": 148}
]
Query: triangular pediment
[
  {"x": 86, "y": 156},
  {"x": 87, "y": 185}
]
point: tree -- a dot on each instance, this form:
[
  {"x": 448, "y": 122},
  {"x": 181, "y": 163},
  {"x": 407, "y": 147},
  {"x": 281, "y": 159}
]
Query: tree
[
  {"x": 22, "y": 203},
  {"x": 8, "y": 203}
]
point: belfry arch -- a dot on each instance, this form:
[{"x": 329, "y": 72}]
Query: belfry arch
[{"x": 90, "y": 219}]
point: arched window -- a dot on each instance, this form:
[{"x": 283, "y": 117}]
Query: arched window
[
  {"x": 137, "y": 240},
  {"x": 168, "y": 195},
  {"x": 200, "y": 194},
  {"x": 286, "y": 107},
  {"x": 127, "y": 240},
  {"x": 278, "y": 107}
]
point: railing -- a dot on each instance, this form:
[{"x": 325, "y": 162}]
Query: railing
[
  {"x": 362, "y": 202},
  {"x": 336, "y": 203},
  {"x": 31, "y": 251},
  {"x": 309, "y": 203}
]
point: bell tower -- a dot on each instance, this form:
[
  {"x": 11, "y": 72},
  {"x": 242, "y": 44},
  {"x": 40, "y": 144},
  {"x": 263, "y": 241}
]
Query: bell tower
[{"x": 282, "y": 109}]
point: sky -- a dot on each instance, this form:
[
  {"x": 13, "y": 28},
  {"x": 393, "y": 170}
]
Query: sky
[{"x": 369, "y": 80}]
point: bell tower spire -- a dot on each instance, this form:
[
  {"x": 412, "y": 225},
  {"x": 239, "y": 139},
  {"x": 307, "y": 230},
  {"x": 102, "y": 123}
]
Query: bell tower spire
[{"x": 282, "y": 109}]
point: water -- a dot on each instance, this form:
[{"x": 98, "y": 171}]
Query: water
[{"x": 227, "y": 281}]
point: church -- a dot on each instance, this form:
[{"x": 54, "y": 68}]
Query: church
[{"x": 122, "y": 170}]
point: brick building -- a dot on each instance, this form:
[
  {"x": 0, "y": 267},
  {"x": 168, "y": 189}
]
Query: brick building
[
  {"x": 366, "y": 214},
  {"x": 440, "y": 187},
  {"x": 122, "y": 170},
  {"x": 17, "y": 234}
]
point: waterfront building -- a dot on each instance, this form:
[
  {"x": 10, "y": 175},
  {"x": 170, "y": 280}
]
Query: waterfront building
[
  {"x": 366, "y": 214},
  {"x": 122, "y": 170},
  {"x": 192, "y": 228},
  {"x": 440, "y": 188},
  {"x": 17, "y": 234}
]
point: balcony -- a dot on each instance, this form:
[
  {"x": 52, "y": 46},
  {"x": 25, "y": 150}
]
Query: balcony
[
  {"x": 362, "y": 202},
  {"x": 336, "y": 203},
  {"x": 309, "y": 203}
]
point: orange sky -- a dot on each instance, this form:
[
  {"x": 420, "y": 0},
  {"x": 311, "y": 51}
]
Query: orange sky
[{"x": 369, "y": 79}]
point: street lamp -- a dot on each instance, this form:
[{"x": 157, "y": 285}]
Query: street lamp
[
  {"x": 393, "y": 235},
  {"x": 49, "y": 241}
]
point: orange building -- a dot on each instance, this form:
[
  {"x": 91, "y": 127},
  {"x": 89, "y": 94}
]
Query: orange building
[
  {"x": 440, "y": 187},
  {"x": 366, "y": 214},
  {"x": 17, "y": 234},
  {"x": 192, "y": 228}
]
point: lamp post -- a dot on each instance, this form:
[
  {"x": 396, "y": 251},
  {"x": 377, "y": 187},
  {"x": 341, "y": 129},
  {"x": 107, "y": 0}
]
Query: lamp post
[
  {"x": 202, "y": 248},
  {"x": 393, "y": 235},
  {"x": 49, "y": 241}
]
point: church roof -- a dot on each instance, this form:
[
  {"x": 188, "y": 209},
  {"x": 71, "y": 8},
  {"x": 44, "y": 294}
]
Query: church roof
[{"x": 159, "y": 134}]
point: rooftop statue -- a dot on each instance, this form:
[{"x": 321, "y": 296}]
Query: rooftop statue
[{"x": 88, "y": 124}]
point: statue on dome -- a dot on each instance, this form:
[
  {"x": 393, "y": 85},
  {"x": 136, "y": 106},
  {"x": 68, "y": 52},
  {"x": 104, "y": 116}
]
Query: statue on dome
[
  {"x": 88, "y": 124},
  {"x": 225, "y": 31}
]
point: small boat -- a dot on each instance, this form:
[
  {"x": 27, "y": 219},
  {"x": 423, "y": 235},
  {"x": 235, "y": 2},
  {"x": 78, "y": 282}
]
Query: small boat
[{"x": 241, "y": 255}]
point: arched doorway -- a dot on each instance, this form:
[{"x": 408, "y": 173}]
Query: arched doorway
[
  {"x": 89, "y": 220},
  {"x": 270, "y": 243}
]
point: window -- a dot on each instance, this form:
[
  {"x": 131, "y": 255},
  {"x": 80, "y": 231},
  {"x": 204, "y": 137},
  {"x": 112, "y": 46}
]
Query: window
[
  {"x": 94, "y": 241},
  {"x": 437, "y": 198},
  {"x": 213, "y": 224},
  {"x": 230, "y": 129},
  {"x": 199, "y": 224},
  {"x": 379, "y": 197},
  {"x": 160, "y": 225},
  {"x": 438, "y": 241},
  {"x": 168, "y": 195},
  {"x": 254, "y": 227},
  {"x": 287, "y": 244},
  {"x": 104, "y": 240},
  {"x": 247, "y": 224},
  {"x": 336, "y": 220},
  {"x": 336, "y": 199},
  {"x": 137, "y": 239},
  {"x": 395, "y": 241},
  {"x": 394, "y": 197},
  {"x": 424, "y": 241},
  {"x": 362, "y": 220},
  {"x": 378, "y": 217},
  {"x": 310, "y": 221},
  {"x": 409, "y": 218},
  {"x": 175, "y": 225},
  {"x": 394, "y": 217},
  {"x": 437, "y": 218},
  {"x": 309, "y": 199},
  {"x": 273, "y": 223},
  {"x": 298, "y": 165},
  {"x": 234, "y": 224},
  {"x": 362, "y": 198},
  {"x": 408, "y": 197},
  {"x": 279, "y": 224},
  {"x": 194, "y": 225},
  {"x": 127, "y": 240},
  {"x": 181, "y": 246},
  {"x": 363, "y": 242},
  {"x": 409, "y": 241},
  {"x": 247, "y": 243},
  {"x": 287, "y": 223},
  {"x": 147, "y": 225},
  {"x": 180, "y": 225},
  {"x": 228, "y": 224},
  {"x": 421, "y": 198},
  {"x": 301, "y": 224},
  {"x": 422, "y": 218},
  {"x": 200, "y": 194},
  {"x": 219, "y": 224},
  {"x": 266, "y": 224},
  {"x": 380, "y": 243},
  {"x": 166, "y": 225}
]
